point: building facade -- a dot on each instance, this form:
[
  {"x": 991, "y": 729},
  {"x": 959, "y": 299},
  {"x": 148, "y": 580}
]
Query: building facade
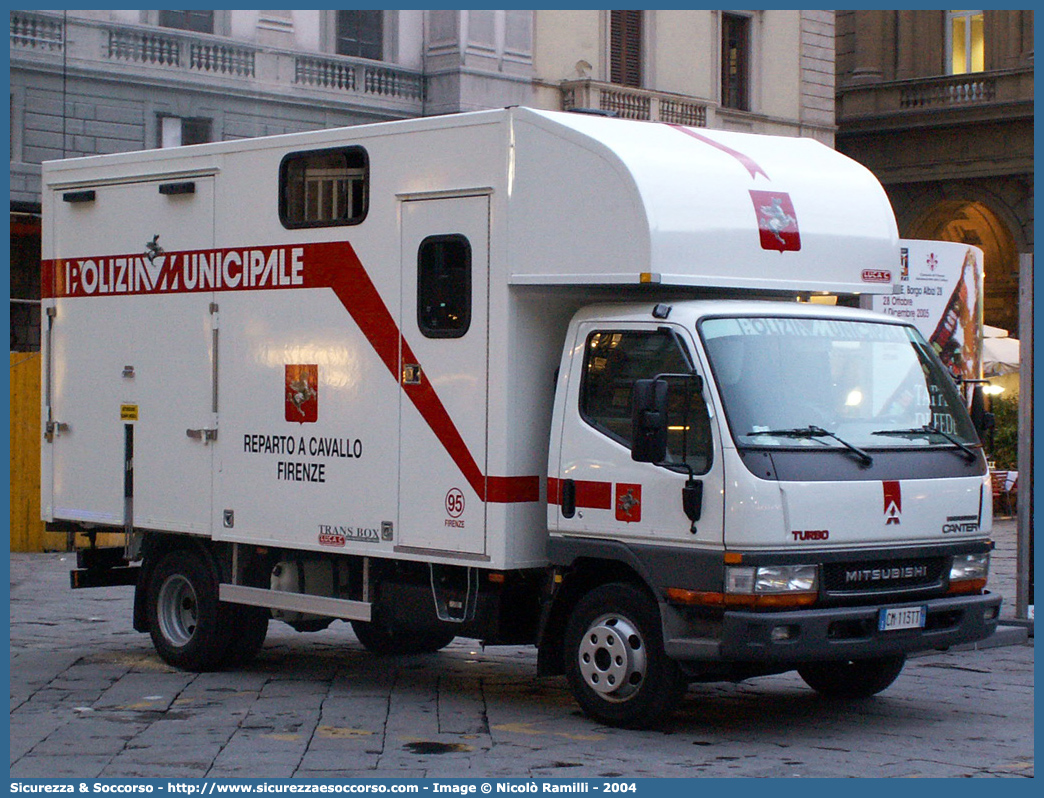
[
  {"x": 95, "y": 82},
  {"x": 939, "y": 105}
]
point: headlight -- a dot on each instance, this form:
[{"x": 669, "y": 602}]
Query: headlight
[
  {"x": 773, "y": 587},
  {"x": 772, "y": 579},
  {"x": 969, "y": 572}
]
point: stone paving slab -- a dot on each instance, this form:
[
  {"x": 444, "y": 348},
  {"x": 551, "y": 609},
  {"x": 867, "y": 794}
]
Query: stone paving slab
[{"x": 91, "y": 699}]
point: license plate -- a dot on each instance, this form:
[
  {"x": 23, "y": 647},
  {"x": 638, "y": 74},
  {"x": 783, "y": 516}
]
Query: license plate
[{"x": 890, "y": 619}]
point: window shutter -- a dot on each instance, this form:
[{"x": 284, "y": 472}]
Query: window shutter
[{"x": 625, "y": 45}]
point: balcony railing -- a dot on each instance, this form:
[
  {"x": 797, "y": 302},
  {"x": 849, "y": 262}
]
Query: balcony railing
[
  {"x": 960, "y": 90},
  {"x": 342, "y": 75},
  {"x": 988, "y": 92},
  {"x": 630, "y": 103},
  {"x": 196, "y": 57},
  {"x": 35, "y": 32}
]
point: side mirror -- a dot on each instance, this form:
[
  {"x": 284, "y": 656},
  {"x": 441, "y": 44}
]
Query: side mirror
[{"x": 649, "y": 421}]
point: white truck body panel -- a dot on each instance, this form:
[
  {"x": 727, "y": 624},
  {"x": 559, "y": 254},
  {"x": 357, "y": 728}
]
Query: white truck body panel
[{"x": 676, "y": 203}]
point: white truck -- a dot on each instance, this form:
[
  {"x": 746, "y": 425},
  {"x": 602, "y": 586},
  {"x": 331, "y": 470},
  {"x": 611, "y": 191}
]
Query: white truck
[{"x": 519, "y": 376}]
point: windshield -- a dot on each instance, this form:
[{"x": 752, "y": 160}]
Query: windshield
[{"x": 799, "y": 382}]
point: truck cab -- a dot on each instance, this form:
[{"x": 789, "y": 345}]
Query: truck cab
[{"x": 780, "y": 484}]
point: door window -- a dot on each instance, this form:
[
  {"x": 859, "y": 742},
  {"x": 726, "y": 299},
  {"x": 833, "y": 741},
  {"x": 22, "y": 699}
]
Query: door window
[
  {"x": 444, "y": 286},
  {"x": 613, "y": 360}
]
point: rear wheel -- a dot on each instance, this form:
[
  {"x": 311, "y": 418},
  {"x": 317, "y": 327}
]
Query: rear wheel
[
  {"x": 615, "y": 661},
  {"x": 382, "y": 639},
  {"x": 853, "y": 678},
  {"x": 189, "y": 627}
]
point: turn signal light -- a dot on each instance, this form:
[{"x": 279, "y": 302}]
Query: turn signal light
[
  {"x": 970, "y": 586},
  {"x": 693, "y": 598}
]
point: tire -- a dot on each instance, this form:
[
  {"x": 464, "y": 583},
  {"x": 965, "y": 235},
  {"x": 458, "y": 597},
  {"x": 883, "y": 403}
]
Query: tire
[
  {"x": 854, "y": 678},
  {"x": 189, "y": 627},
  {"x": 614, "y": 659},
  {"x": 250, "y": 628},
  {"x": 380, "y": 639}
]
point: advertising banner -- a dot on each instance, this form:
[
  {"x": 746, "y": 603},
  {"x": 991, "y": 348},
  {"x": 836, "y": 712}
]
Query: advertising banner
[{"x": 939, "y": 290}]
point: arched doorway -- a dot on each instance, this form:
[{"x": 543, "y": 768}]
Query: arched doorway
[{"x": 974, "y": 223}]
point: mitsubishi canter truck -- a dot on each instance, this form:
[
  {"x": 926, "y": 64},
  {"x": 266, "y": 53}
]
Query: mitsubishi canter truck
[{"x": 518, "y": 376}]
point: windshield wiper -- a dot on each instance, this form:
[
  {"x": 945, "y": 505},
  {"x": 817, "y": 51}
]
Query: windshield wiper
[
  {"x": 931, "y": 429},
  {"x": 812, "y": 431}
]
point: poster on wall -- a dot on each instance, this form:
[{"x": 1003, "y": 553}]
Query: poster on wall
[{"x": 939, "y": 291}]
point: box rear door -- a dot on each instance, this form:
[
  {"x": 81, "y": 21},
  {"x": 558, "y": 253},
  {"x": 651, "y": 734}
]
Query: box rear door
[{"x": 129, "y": 371}]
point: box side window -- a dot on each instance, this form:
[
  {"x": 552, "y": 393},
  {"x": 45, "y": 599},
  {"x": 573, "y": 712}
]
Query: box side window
[
  {"x": 444, "y": 286},
  {"x": 324, "y": 188}
]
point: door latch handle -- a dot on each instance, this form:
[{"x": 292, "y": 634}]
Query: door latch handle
[
  {"x": 411, "y": 374},
  {"x": 568, "y": 498},
  {"x": 53, "y": 428},
  {"x": 205, "y": 435}
]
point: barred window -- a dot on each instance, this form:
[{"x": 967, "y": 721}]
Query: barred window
[{"x": 324, "y": 188}]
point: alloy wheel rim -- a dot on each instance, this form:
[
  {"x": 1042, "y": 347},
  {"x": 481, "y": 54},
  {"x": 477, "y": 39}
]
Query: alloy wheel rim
[
  {"x": 612, "y": 657},
  {"x": 178, "y": 610}
]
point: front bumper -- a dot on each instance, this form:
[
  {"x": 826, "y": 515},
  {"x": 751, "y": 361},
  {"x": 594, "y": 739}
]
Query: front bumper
[{"x": 835, "y": 633}]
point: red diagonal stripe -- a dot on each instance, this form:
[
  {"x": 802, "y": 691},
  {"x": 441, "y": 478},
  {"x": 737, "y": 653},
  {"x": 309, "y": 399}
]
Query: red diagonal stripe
[
  {"x": 748, "y": 163},
  {"x": 336, "y": 265}
]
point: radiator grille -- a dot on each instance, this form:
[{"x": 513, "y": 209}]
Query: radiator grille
[{"x": 878, "y": 575}]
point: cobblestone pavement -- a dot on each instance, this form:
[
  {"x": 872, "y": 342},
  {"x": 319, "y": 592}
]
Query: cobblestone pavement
[{"x": 90, "y": 699}]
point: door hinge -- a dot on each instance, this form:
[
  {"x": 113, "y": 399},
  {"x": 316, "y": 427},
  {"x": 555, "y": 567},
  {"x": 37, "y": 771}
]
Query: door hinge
[{"x": 204, "y": 435}]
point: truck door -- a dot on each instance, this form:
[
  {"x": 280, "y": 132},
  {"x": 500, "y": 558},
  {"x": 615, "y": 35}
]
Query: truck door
[
  {"x": 597, "y": 490},
  {"x": 111, "y": 383},
  {"x": 445, "y": 299}
]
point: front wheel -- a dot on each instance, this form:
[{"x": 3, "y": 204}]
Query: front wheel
[
  {"x": 853, "y": 678},
  {"x": 615, "y": 661}
]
